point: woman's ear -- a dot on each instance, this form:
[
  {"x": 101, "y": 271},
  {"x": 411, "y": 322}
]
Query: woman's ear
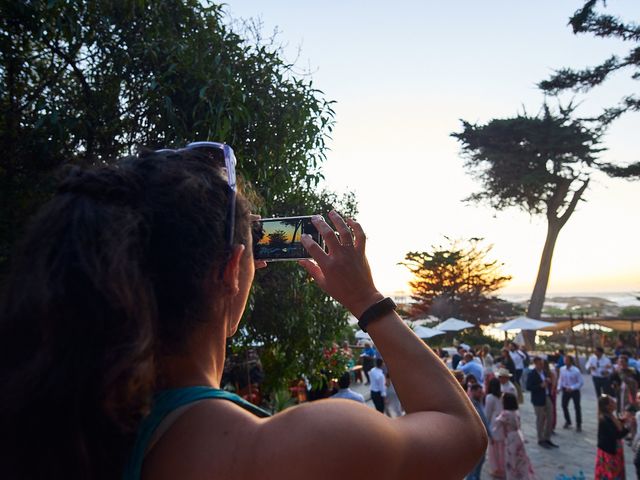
[{"x": 231, "y": 276}]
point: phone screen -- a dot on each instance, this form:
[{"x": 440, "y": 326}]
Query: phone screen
[{"x": 278, "y": 239}]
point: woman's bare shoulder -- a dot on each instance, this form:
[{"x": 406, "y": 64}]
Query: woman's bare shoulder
[
  {"x": 201, "y": 443},
  {"x": 218, "y": 439}
]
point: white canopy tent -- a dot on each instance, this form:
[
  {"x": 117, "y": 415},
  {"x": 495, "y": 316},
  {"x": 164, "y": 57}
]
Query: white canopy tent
[
  {"x": 524, "y": 323},
  {"x": 453, "y": 325},
  {"x": 360, "y": 335},
  {"x": 426, "y": 332}
]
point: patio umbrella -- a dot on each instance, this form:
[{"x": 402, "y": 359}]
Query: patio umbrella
[
  {"x": 453, "y": 325},
  {"x": 360, "y": 335},
  {"x": 524, "y": 323},
  {"x": 426, "y": 332}
]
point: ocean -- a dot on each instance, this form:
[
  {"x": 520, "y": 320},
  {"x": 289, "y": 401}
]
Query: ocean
[{"x": 621, "y": 299}]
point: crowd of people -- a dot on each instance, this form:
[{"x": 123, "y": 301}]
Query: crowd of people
[{"x": 497, "y": 385}]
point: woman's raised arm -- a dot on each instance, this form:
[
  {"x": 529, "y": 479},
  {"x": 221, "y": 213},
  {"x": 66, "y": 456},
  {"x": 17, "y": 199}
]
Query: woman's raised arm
[{"x": 335, "y": 437}]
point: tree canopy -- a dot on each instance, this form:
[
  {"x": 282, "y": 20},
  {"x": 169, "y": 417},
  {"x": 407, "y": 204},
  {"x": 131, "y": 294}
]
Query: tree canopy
[
  {"x": 457, "y": 279},
  {"x": 86, "y": 82},
  {"x": 588, "y": 20},
  {"x": 540, "y": 164}
]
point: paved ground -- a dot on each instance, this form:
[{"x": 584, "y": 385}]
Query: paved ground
[{"x": 577, "y": 451}]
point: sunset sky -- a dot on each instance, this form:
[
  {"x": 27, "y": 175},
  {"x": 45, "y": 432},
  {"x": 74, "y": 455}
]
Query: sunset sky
[
  {"x": 272, "y": 227},
  {"x": 403, "y": 74}
]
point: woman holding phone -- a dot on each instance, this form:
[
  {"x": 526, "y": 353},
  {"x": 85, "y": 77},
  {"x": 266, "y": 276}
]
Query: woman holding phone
[{"x": 113, "y": 329}]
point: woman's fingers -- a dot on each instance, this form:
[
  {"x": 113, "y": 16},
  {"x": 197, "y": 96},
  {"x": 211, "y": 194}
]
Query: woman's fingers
[
  {"x": 260, "y": 264},
  {"x": 358, "y": 233},
  {"x": 315, "y": 250},
  {"x": 327, "y": 233},
  {"x": 314, "y": 271},
  {"x": 346, "y": 237}
]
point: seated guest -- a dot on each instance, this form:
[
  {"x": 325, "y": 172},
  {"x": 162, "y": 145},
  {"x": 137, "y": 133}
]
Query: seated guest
[{"x": 345, "y": 392}]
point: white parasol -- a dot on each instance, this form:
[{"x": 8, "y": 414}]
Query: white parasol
[
  {"x": 453, "y": 325},
  {"x": 524, "y": 323},
  {"x": 426, "y": 332}
]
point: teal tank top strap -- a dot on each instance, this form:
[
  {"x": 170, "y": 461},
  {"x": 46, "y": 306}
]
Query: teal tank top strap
[{"x": 166, "y": 402}]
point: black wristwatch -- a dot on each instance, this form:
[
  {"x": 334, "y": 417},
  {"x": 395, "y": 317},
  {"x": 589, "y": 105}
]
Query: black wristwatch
[{"x": 376, "y": 311}]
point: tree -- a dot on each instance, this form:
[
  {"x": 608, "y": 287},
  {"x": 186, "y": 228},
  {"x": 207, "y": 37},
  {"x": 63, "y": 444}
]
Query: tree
[
  {"x": 278, "y": 239},
  {"x": 85, "y": 82},
  {"x": 588, "y": 20},
  {"x": 457, "y": 280},
  {"x": 540, "y": 164}
]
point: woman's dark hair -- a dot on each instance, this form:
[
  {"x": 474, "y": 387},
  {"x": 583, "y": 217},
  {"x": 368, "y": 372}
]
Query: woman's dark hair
[
  {"x": 345, "y": 380},
  {"x": 603, "y": 406},
  {"x": 494, "y": 387},
  {"x": 509, "y": 401},
  {"x": 115, "y": 271}
]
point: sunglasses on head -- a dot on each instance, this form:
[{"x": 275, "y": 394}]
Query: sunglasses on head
[{"x": 217, "y": 151}]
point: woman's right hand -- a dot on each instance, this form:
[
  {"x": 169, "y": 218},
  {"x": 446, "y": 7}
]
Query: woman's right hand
[{"x": 343, "y": 272}]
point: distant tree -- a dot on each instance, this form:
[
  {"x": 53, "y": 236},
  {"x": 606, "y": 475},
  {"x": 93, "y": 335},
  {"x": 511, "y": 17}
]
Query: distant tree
[
  {"x": 630, "y": 311},
  {"x": 588, "y": 20},
  {"x": 540, "y": 164},
  {"x": 278, "y": 238},
  {"x": 457, "y": 280}
]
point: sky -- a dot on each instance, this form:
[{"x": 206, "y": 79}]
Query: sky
[{"x": 403, "y": 74}]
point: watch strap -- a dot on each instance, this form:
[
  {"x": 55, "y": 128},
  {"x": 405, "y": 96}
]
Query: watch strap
[{"x": 376, "y": 311}]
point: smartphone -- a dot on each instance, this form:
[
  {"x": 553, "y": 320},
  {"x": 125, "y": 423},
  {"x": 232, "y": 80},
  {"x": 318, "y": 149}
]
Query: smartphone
[{"x": 279, "y": 239}]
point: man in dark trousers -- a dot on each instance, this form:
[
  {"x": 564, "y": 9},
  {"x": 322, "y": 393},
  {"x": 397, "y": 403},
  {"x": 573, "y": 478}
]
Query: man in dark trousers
[{"x": 539, "y": 385}]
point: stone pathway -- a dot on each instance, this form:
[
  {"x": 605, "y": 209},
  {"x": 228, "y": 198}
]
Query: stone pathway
[{"x": 577, "y": 451}]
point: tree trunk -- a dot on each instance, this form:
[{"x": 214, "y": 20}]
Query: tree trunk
[{"x": 544, "y": 270}]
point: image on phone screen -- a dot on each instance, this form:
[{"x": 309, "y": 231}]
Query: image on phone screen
[{"x": 279, "y": 239}]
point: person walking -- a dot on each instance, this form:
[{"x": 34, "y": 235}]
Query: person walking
[
  {"x": 476, "y": 395},
  {"x": 610, "y": 452},
  {"x": 367, "y": 358},
  {"x": 393, "y": 407},
  {"x": 540, "y": 386},
  {"x": 493, "y": 408},
  {"x": 569, "y": 384},
  {"x": 378, "y": 385},
  {"x": 600, "y": 368},
  {"x": 487, "y": 364},
  {"x": 507, "y": 427},
  {"x": 553, "y": 392},
  {"x": 518, "y": 360}
]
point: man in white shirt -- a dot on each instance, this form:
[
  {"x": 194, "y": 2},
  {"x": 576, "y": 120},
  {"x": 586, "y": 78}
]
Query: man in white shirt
[
  {"x": 569, "y": 384},
  {"x": 378, "y": 385},
  {"x": 518, "y": 359},
  {"x": 600, "y": 368}
]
